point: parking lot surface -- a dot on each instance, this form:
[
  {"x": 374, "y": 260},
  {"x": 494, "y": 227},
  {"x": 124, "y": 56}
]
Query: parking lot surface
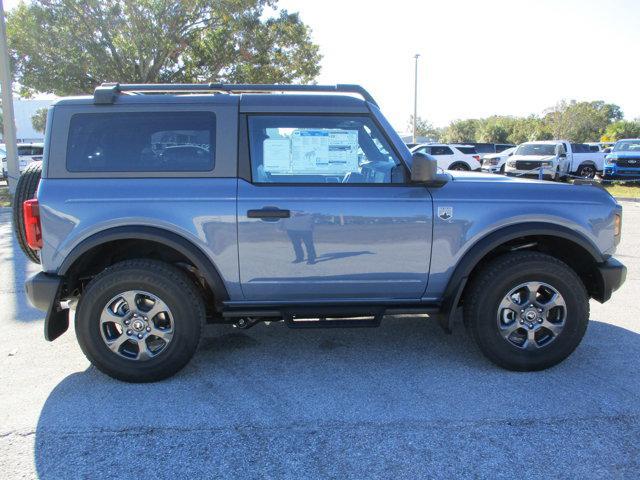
[{"x": 401, "y": 401}]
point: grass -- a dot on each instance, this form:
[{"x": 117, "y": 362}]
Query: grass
[
  {"x": 5, "y": 199},
  {"x": 627, "y": 190}
]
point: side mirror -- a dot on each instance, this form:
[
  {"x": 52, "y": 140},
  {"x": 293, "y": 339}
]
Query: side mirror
[
  {"x": 563, "y": 155},
  {"x": 607, "y": 150},
  {"x": 424, "y": 169}
]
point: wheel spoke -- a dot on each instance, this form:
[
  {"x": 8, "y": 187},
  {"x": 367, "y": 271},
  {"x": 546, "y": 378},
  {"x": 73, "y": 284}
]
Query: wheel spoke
[
  {"x": 115, "y": 344},
  {"x": 531, "y": 343},
  {"x": 108, "y": 316},
  {"x": 130, "y": 298},
  {"x": 554, "y": 328},
  {"x": 143, "y": 351},
  {"x": 533, "y": 288},
  {"x": 165, "y": 335},
  {"x": 158, "y": 307},
  {"x": 555, "y": 301}
]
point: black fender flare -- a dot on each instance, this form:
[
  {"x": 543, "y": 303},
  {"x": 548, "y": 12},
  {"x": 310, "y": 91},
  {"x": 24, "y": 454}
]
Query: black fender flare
[
  {"x": 159, "y": 235},
  {"x": 473, "y": 256}
]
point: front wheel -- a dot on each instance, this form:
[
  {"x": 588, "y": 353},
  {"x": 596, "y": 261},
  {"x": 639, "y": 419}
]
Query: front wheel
[
  {"x": 140, "y": 320},
  {"x": 460, "y": 167},
  {"x": 527, "y": 311}
]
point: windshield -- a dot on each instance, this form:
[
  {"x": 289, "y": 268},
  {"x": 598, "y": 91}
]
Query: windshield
[
  {"x": 627, "y": 146},
  {"x": 536, "y": 149}
]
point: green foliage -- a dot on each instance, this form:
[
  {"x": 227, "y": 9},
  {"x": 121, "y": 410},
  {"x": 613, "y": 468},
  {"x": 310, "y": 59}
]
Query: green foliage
[
  {"x": 39, "y": 120},
  {"x": 424, "y": 128},
  {"x": 70, "y": 46},
  {"x": 621, "y": 129},
  {"x": 460, "y": 131},
  {"x": 581, "y": 121}
]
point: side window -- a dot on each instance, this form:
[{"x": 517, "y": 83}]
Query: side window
[
  {"x": 320, "y": 149},
  {"x": 141, "y": 142},
  {"x": 441, "y": 150},
  {"x": 24, "y": 151}
]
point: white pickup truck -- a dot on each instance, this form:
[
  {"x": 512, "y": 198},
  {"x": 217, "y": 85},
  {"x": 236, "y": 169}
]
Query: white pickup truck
[{"x": 556, "y": 159}]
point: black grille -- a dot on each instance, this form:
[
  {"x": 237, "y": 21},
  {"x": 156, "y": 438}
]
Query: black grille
[
  {"x": 527, "y": 165},
  {"x": 629, "y": 162}
]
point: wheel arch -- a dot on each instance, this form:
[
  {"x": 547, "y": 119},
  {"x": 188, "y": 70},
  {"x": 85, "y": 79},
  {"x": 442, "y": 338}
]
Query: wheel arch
[
  {"x": 569, "y": 245},
  {"x": 152, "y": 235}
]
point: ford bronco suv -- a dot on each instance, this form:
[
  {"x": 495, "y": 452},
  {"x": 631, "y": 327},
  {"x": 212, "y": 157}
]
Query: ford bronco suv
[{"x": 164, "y": 207}]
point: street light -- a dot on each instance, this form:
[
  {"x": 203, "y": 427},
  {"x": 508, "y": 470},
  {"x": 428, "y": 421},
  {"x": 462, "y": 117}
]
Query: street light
[{"x": 415, "y": 100}]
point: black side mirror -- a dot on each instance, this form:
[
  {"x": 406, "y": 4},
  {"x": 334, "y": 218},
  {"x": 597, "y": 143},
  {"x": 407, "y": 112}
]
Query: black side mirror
[{"x": 424, "y": 169}]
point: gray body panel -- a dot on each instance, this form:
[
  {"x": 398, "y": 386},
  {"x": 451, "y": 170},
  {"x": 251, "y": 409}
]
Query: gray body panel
[{"x": 379, "y": 242}]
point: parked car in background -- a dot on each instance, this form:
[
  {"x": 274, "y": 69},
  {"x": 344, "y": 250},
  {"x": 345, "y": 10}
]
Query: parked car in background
[
  {"x": 558, "y": 159},
  {"x": 624, "y": 161},
  {"x": 601, "y": 146},
  {"x": 484, "y": 149},
  {"x": 27, "y": 154},
  {"x": 450, "y": 157},
  {"x": 495, "y": 162}
]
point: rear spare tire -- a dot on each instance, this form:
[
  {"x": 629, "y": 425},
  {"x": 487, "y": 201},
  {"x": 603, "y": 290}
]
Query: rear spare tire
[{"x": 26, "y": 190}]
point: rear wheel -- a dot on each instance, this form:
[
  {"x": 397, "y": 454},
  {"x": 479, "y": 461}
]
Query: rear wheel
[
  {"x": 25, "y": 190},
  {"x": 140, "y": 320},
  {"x": 587, "y": 171},
  {"x": 460, "y": 166},
  {"x": 533, "y": 315}
]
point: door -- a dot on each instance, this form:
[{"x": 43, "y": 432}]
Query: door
[{"x": 327, "y": 213}]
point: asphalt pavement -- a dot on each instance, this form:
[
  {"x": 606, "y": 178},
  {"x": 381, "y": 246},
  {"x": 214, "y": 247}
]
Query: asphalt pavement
[{"x": 401, "y": 401}]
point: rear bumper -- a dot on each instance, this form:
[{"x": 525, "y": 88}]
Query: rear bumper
[
  {"x": 612, "y": 276},
  {"x": 43, "y": 292},
  {"x": 42, "y": 289}
]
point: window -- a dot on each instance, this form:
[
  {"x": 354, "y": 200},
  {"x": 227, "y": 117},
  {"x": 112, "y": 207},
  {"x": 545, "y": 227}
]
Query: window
[
  {"x": 30, "y": 150},
  {"x": 483, "y": 148},
  {"x": 581, "y": 148},
  {"x": 320, "y": 149},
  {"x": 141, "y": 142},
  {"x": 467, "y": 150},
  {"x": 441, "y": 150}
]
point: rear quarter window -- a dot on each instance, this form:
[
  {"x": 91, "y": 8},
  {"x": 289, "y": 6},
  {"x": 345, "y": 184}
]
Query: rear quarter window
[{"x": 141, "y": 142}]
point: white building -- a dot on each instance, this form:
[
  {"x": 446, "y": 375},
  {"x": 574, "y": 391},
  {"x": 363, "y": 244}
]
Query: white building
[{"x": 23, "y": 110}]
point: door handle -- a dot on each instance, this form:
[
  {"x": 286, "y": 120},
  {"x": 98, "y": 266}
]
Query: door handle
[{"x": 269, "y": 214}]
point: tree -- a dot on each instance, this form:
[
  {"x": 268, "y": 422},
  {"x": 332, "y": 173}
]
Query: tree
[
  {"x": 621, "y": 129},
  {"x": 39, "y": 120},
  {"x": 71, "y": 46},
  {"x": 460, "y": 131},
  {"x": 581, "y": 121},
  {"x": 424, "y": 128}
]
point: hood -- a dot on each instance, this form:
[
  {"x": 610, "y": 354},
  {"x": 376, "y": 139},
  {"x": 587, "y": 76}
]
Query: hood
[
  {"x": 490, "y": 156},
  {"x": 623, "y": 155},
  {"x": 533, "y": 158}
]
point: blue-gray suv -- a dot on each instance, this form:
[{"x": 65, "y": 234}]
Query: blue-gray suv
[{"x": 165, "y": 207}]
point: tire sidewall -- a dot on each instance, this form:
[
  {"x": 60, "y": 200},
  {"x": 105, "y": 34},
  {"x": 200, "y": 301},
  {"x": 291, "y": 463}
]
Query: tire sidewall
[
  {"x": 185, "y": 324},
  {"x": 485, "y": 325}
]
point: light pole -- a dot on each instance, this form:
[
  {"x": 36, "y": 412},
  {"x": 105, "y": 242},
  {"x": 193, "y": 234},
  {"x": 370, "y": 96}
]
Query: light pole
[
  {"x": 13, "y": 172},
  {"x": 415, "y": 100}
]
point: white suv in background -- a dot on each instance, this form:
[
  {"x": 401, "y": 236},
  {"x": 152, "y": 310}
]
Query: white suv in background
[
  {"x": 450, "y": 157},
  {"x": 27, "y": 153},
  {"x": 494, "y": 162}
]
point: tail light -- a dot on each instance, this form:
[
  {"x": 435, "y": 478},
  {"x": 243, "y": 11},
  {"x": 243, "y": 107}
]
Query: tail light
[
  {"x": 477, "y": 157},
  {"x": 32, "y": 228}
]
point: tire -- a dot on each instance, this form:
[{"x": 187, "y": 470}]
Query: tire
[
  {"x": 485, "y": 318},
  {"x": 460, "y": 167},
  {"x": 25, "y": 190},
  {"x": 184, "y": 313},
  {"x": 586, "y": 171},
  {"x": 502, "y": 169}
]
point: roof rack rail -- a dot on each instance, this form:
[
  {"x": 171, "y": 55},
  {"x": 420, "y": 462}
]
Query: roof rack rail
[{"x": 107, "y": 92}]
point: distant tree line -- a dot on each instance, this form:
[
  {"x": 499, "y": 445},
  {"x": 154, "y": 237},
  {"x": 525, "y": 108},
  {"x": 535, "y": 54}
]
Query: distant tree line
[{"x": 570, "y": 120}]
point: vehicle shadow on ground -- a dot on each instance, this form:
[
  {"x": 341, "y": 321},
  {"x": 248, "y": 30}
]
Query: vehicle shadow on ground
[
  {"x": 19, "y": 270},
  {"x": 393, "y": 401}
]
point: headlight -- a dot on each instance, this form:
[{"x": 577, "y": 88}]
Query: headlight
[
  {"x": 545, "y": 164},
  {"x": 611, "y": 160},
  {"x": 511, "y": 163}
]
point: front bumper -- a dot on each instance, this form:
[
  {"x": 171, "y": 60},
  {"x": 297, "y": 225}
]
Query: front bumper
[
  {"x": 490, "y": 169},
  {"x": 620, "y": 173},
  {"x": 43, "y": 292},
  {"x": 612, "y": 276},
  {"x": 546, "y": 174}
]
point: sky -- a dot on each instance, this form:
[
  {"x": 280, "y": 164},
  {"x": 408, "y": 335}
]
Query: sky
[{"x": 479, "y": 58}]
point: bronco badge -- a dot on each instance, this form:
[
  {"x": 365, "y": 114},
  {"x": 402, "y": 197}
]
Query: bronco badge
[{"x": 445, "y": 213}]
